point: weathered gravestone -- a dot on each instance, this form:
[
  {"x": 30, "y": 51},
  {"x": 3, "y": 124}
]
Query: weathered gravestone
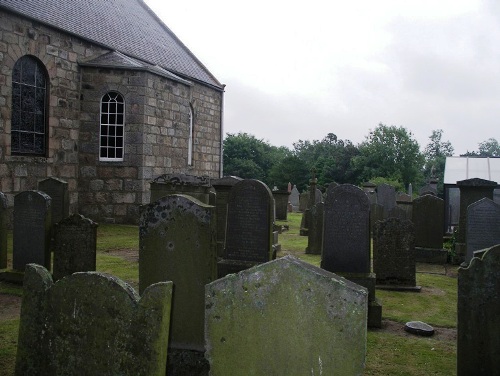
[
  {"x": 428, "y": 189},
  {"x": 75, "y": 243},
  {"x": 57, "y": 189},
  {"x": 483, "y": 226},
  {"x": 376, "y": 214},
  {"x": 281, "y": 204},
  {"x": 303, "y": 201},
  {"x": 222, "y": 188},
  {"x": 346, "y": 241},
  {"x": 31, "y": 234},
  {"x": 386, "y": 196},
  {"x": 3, "y": 230},
  {"x": 91, "y": 324},
  {"x": 315, "y": 233},
  {"x": 249, "y": 234},
  {"x": 397, "y": 212},
  {"x": 428, "y": 217},
  {"x": 394, "y": 254},
  {"x": 196, "y": 186},
  {"x": 177, "y": 243},
  {"x": 478, "y": 316},
  {"x": 285, "y": 317},
  {"x": 294, "y": 198}
]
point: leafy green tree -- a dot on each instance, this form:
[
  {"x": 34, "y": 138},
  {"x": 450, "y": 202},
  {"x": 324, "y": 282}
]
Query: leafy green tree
[
  {"x": 390, "y": 152},
  {"x": 435, "y": 154},
  {"x": 489, "y": 148},
  {"x": 290, "y": 169}
]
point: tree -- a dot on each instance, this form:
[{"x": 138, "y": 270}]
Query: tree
[
  {"x": 489, "y": 148},
  {"x": 390, "y": 152},
  {"x": 290, "y": 169},
  {"x": 435, "y": 154}
]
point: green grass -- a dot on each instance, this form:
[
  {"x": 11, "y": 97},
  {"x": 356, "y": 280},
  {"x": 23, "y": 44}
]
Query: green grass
[{"x": 8, "y": 345}]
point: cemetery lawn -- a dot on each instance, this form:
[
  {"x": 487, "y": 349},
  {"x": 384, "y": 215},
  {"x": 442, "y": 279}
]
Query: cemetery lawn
[{"x": 390, "y": 350}]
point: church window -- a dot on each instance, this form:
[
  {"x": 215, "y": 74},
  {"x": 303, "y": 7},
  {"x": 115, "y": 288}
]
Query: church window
[{"x": 112, "y": 127}]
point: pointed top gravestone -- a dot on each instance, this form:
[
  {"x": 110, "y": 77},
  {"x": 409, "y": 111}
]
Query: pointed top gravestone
[
  {"x": 285, "y": 317},
  {"x": 483, "y": 226},
  {"x": 346, "y": 231},
  {"x": 91, "y": 324}
]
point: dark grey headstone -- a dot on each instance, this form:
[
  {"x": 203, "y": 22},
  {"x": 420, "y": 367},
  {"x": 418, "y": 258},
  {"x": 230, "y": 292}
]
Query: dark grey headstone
[
  {"x": 3, "y": 230},
  {"x": 91, "y": 324},
  {"x": 386, "y": 196},
  {"x": 346, "y": 231},
  {"x": 394, "y": 252},
  {"x": 397, "y": 212},
  {"x": 75, "y": 243},
  {"x": 303, "y": 201},
  {"x": 315, "y": 230},
  {"x": 281, "y": 203},
  {"x": 57, "y": 189},
  {"x": 31, "y": 234},
  {"x": 478, "y": 316},
  {"x": 419, "y": 328},
  {"x": 177, "y": 243},
  {"x": 376, "y": 214},
  {"x": 427, "y": 189},
  {"x": 428, "y": 217},
  {"x": 198, "y": 187},
  {"x": 483, "y": 226}
]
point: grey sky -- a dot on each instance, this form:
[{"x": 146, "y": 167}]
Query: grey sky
[{"x": 300, "y": 70}]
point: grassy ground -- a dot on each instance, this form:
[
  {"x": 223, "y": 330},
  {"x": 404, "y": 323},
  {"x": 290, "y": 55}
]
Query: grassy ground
[{"x": 391, "y": 351}]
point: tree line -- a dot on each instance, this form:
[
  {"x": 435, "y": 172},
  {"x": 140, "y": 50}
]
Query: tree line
[{"x": 389, "y": 154}]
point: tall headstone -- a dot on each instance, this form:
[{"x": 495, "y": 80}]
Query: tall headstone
[
  {"x": 249, "y": 320},
  {"x": 376, "y": 214},
  {"x": 303, "y": 201},
  {"x": 196, "y": 186},
  {"x": 428, "y": 217},
  {"x": 386, "y": 196},
  {"x": 31, "y": 234},
  {"x": 222, "y": 188},
  {"x": 75, "y": 243},
  {"x": 483, "y": 226},
  {"x": 315, "y": 233},
  {"x": 394, "y": 254},
  {"x": 281, "y": 204},
  {"x": 478, "y": 315},
  {"x": 177, "y": 243},
  {"x": 91, "y": 324},
  {"x": 294, "y": 199},
  {"x": 471, "y": 190},
  {"x": 346, "y": 241},
  {"x": 57, "y": 189},
  {"x": 3, "y": 230},
  {"x": 249, "y": 235}
]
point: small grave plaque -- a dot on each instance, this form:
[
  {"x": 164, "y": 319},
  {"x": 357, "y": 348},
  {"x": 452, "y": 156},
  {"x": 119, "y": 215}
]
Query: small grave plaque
[{"x": 419, "y": 328}]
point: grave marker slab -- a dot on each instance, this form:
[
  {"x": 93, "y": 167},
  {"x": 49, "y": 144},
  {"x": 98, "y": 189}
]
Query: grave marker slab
[
  {"x": 386, "y": 196},
  {"x": 57, "y": 189},
  {"x": 483, "y": 226},
  {"x": 31, "y": 234},
  {"x": 3, "y": 230},
  {"x": 196, "y": 186},
  {"x": 177, "y": 243},
  {"x": 315, "y": 230},
  {"x": 285, "y": 317},
  {"x": 75, "y": 243},
  {"x": 281, "y": 202},
  {"x": 91, "y": 324},
  {"x": 294, "y": 198}
]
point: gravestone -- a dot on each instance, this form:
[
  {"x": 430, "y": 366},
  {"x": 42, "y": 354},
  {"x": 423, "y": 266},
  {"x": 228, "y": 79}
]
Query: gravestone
[
  {"x": 249, "y": 234},
  {"x": 281, "y": 204},
  {"x": 428, "y": 189},
  {"x": 303, "y": 201},
  {"x": 471, "y": 190},
  {"x": 177, "y": 243},
  {"x": 407, "y": 207},
  {"x": 386, "y": 196},
  {"x": 315, "y": 233},
  {"x": 91, "y": 324},
  {"x": 4, "y": 219},
  {"x": 376, "y": 214},
  {"x": 346, "y": 241},
  {"x": 222, "y": 188},
  {"x": 478, "y": 315},
  {"x": 31, "y": 234},
  {"x": 57, "y": 189},
  {"x": 397, "y": 212},
  {"x": 483, "y": 226},
  {"x": 403, "y": 197},
  {"x": 294, "y": 199},
  {"x": 75, "y": 243},
  {"x": 428, "y": 217},
  {"x": 196, "y": 186},
  {"x": 394, "y": 254},
  {"x": 285, "y": 317}
]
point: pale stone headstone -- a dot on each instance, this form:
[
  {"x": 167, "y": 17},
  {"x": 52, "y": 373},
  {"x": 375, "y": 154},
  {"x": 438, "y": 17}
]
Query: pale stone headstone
[
  {"x": 483, "y": 226},
  {"x": 91, "y": 324},
  {"x": 57, "y": 189},
  {"x": 3, "y": 230},
  {"x": 75, "y": 243},
  {"x": 31, "y": 234},
  {"x": 249, "y": 234},
  {"x": 285, "y": 317},
  {"x": 294, "y": 198},
  {"x": 177, "y": 243},
  {"x": 478, "y": 315},
  {"x": 315, "y": 231},
  {"x": 196, "y": 186},
  {"x": 394, "y": 254}
]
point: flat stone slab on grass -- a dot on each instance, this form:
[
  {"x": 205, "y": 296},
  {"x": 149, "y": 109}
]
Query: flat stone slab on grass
[{"x": 419, "y": 328}]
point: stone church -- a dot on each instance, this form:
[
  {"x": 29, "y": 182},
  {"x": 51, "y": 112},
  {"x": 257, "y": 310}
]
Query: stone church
[{"x": 102, "y": 95}]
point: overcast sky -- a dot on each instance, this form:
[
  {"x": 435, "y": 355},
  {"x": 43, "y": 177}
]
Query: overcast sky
[{"x": 297, "y": 70}]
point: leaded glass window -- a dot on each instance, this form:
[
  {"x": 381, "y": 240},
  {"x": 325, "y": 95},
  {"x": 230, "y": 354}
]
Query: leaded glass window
[
  {"x": 29, "y": 107},
  {"x": 191, "y": 138},
  {"x": 112, "y": 127}
]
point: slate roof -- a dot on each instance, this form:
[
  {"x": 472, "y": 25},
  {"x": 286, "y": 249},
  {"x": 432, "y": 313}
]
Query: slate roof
[
  {"x": 127, "y": 26},
  {"x": 462, "y": 168}
]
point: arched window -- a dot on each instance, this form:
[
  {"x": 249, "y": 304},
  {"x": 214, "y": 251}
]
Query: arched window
[
  {"x": 112, "y": 127},
  {"x": 191, "y": 138},
  {"x": 29, "y": 107}
]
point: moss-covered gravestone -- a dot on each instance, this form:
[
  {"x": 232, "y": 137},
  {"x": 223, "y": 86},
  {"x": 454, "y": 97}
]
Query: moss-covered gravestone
[
  {"x": 177, "y": 243},
  {"x": 91, "y": 324},
  {"x": 478, "y": 314},
  {"x": 285, "y": 317}
]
